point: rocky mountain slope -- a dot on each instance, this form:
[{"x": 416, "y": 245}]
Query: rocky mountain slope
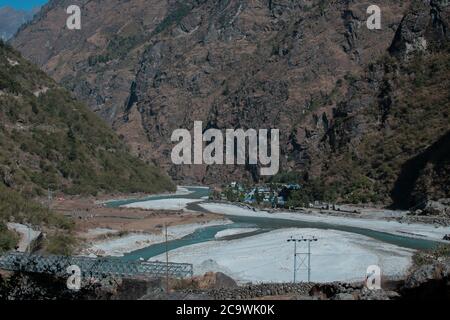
[
  {"x": 358, "y": 109},
  {"x": 11, "y": 19},
  {"x": 389, "y": 135}
]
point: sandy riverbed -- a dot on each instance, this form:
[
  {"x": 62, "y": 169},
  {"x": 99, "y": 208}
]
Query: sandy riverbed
[
  {"x": 135, "y": 241},
  {"x": 114, "y": 231},
  {"x": 163, "y": 204},
  {"x": 337, "y": 256},
  {"x": 415, "y": 230}
]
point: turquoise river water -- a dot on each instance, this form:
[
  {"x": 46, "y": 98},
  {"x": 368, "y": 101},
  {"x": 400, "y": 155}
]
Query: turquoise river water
[{"x": 263, "y": 224}]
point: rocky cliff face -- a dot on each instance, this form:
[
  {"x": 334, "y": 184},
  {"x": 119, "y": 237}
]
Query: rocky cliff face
[
  {"x": 390, "y": 134},
  {"x": 309, "y": 68}
]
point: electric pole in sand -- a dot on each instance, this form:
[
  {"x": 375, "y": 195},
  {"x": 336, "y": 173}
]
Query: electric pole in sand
[
  {"x": 167, "y": 260},
  {"x": 304, "y": 257}
]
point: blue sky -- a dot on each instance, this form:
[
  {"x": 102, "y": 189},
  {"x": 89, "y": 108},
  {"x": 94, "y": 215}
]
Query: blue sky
[{"x": 22, "y": 4}]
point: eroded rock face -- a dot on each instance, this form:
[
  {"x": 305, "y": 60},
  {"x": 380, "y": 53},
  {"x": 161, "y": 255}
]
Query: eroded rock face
[
  {"x": 97, "y": 62},
  {"x": 230, "y": 64},
  {"x": 306, "y": 68},
  {"x": 418, "y": 32},
  {"x": 252, "y": 65}
]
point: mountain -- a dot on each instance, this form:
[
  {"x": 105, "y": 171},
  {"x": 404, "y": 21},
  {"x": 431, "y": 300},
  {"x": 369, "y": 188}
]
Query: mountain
[
  {"x": 339, "y": 93},
  {"x": 49, "y": 140},
  {"x": 11, "y": 19},
  {"x": 389, "y": 138}
]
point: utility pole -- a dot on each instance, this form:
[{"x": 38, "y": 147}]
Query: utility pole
[
  {"x": 304, "y": 255},
  {"x": 28, "y": 248},
  {"x": 167, "y": 260}
]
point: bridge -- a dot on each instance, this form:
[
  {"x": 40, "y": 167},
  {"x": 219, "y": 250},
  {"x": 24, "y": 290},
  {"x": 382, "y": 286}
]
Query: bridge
[{"x": 92, "y": 267}]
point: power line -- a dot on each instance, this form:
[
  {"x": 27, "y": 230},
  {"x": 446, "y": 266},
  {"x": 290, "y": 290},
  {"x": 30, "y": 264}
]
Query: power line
[{"x": 302, "y": 256}]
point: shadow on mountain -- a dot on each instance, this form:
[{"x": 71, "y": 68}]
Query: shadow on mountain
[{"x": 403, "y": 193}]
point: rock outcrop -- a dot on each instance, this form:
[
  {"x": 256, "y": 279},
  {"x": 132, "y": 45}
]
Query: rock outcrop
[
  {"x": 346, "y": 291},
  {"x": 440, "y": 207},
  {"x": 214, "y": 280},
  {"x": 418, "y": 33},
  {"x": 429, "y": 281}
]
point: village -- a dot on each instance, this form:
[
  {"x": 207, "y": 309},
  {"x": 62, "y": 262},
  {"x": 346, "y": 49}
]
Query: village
[{"x": 275, "y": 195}]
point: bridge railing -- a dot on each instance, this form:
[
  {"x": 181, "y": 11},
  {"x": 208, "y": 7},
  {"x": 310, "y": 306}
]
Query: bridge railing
[{"x": 92, "y": 267}]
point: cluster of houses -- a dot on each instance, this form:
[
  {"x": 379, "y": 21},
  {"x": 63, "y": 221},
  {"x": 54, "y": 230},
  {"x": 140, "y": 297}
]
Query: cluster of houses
[{"x": 275, "y": 195}]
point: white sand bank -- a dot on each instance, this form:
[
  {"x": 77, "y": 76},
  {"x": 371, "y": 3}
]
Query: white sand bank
[
  {"x": 413, "y": 230},
  {"x": 336, "y": 256}
]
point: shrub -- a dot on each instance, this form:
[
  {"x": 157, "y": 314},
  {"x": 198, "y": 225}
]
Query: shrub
[
  {"x": 60, "y": 244},
  {"x": 429, "y": 256},
  {"x": 8, "y": 239}
]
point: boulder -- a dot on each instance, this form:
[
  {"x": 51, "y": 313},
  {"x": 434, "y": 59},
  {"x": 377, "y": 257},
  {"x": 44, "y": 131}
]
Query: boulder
[
  {"x": 435, "y": 271},
  {"x": 422, "y": 29},
  {"x": 437, "y": 208},
  {"x": 6, "y": 176},
  {"x": 215, "y": 280},
  {"x": 224, "y": 281},
  {"x": 430, "y": 281}
]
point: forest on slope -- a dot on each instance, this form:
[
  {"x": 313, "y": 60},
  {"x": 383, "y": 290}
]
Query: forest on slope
[{"x": 49, "y": 140}]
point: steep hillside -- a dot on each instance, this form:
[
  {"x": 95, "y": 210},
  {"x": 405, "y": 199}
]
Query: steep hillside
[
  {"x": 397, "y": 146},
  {"x": 309, "y": 68},
  {"x": 48, "y": 140},
  {"x": 97, "y": 62},
  {"x": 389, "y": 136}
]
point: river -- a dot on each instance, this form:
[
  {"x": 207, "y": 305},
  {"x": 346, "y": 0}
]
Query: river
[{"x": 263, "y": 225}]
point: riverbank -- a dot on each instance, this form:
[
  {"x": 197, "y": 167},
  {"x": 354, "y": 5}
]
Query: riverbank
[
  {"x": 122, "y": 244},
  {"x": 105, "y": 199},
  {"x": 162, "y": 204},
  {"x": 116, "y": 230},
  {"x": 366, "y": 221}
]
